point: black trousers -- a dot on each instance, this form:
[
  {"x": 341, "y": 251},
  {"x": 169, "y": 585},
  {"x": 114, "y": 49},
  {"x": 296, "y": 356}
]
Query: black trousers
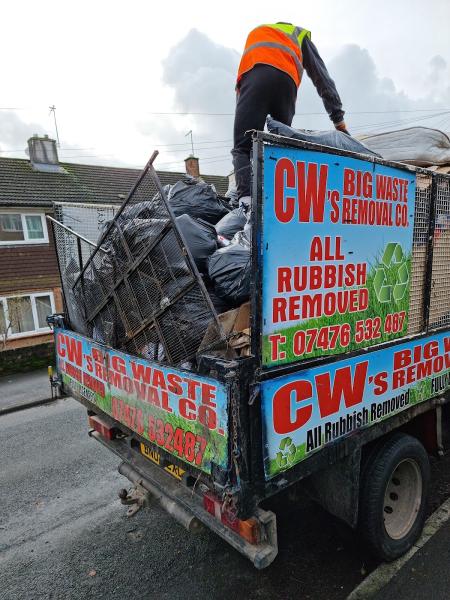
[{"x": 264, "y": 90}]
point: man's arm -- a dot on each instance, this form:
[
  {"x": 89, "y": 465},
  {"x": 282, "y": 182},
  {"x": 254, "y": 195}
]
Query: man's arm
[{"x": 325, "y": 86}]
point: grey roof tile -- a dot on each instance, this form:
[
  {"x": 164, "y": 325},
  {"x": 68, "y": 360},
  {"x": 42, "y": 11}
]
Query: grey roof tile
[{"x": 20, "y": 185}]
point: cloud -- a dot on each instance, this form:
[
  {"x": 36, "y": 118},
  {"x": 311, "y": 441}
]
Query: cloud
[
  {"x": 438, "y": 78},
  {"x": 364, "y": 90},
  {"x": 198, "y": 76},
  {"x": 201, "y": 75},
  {"x": 14, "y": 132}
]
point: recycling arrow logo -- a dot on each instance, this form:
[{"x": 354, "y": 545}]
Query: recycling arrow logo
[
  {"x": 286, "y": 454},
  {"x": 391, "y": 283}
]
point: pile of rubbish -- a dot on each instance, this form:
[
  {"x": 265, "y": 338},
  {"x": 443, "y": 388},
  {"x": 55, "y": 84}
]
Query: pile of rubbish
[
  {"x": 418, "y": 146},
  {"x": 218, "y": 237},
  {"x": 217, "y": 233},
  {"x": 215, "y": 229},
  {"x": 332, "y": 138}
]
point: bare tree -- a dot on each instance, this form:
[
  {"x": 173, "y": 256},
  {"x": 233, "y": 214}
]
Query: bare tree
[{"x": 12, "y": 320}]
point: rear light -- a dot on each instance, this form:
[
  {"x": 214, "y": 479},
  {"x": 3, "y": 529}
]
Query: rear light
[
  {"x": 249, "y": 529},
  {"x": 211, "y": 505},
  {"x": 109, "y": 432}
]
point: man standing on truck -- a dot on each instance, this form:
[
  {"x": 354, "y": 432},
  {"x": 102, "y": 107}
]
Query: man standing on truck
[{"x": 268, "y": 78}]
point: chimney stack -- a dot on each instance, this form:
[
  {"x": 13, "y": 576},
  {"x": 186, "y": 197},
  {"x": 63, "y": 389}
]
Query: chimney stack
[
  {"x": 192, "y": 166},
  {"x": 43, "y": 154}
]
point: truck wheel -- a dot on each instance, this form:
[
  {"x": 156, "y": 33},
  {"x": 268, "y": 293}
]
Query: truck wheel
[{"x": 394, "y": 491}]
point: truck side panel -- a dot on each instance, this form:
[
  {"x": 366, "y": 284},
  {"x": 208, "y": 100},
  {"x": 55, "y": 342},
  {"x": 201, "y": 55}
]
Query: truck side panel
[
  {"x": 180, "y": 412},
  {"x": 337, "y": 254},
  {"x": 307, "y": 410}
]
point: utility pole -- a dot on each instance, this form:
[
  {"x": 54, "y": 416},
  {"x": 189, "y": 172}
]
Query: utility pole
[
  {"x": 192, "y": 141},
  {"x": 53, "y": 110}
]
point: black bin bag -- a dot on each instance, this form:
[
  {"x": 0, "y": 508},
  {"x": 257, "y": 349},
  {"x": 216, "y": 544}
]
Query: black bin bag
[
  {"x": 144, "y": 209},
  {"x": 231, "y": 223},
  {"x": 230, "y": 268},
  {"x": 197, "y": 199},
  {"x": 200, "y": 237}
]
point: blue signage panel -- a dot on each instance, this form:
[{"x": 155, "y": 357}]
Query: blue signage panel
[
  {"x": 336, "y": 253},
  {"x": 305, "y": 411}
]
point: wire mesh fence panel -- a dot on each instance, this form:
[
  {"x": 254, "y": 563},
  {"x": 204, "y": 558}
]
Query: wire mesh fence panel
[
  {"x": 127, "y": 304},
  {"x": 439, "y": 315},
  {"x": 183, "y": 325},
  {"x": 147, "y": 344},
  {"x": 139, "y": 289},
  {"x": 416, "y": 318},
  {"x": 88, "y": 220},
  {"x": 107, "y": 326}
]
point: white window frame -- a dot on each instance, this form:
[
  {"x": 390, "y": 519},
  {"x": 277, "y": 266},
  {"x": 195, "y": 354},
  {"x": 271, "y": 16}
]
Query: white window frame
[
  {"x": 32, "y": 296},
  {"x": 27, "y": 239}
]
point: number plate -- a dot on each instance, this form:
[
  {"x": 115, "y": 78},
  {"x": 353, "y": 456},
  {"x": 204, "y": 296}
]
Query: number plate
[
  {"x": 155, "y": 457},
  {"x": 151, "y": 454}
]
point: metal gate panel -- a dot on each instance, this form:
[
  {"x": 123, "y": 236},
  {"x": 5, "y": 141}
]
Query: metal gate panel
[
  {"x": 439, "y": 315},
  {"x": 419, "y": 261},
  {"x": 88, "y": 220},
  {"x": 139, "y": 289}
]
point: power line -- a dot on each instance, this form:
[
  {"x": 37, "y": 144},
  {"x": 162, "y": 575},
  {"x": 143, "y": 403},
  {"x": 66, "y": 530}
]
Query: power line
[
  {"x": 181, "y": 147},
  {"x": 443, "y": 122},
  {"x": 203, "y": 148},
  {"x": 366, "y": 128},
  {"x": 397, "y": 123},
  {"x": 185, "y": 144},
  {"x": 204, "y": 159},
  {"x": 348, "y": 112},
  {"x": 382, "y": 112},
  {"x": 61, "y": 149},
  {"x": 198, "y": 142},
  {"x": 225, "y": 114},
  {"x": 198, "y": 148}
]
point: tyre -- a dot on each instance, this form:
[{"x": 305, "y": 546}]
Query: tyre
[{"x": 393, "y": 496}]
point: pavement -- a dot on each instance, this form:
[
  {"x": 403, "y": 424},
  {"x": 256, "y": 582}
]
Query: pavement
[
  {"x": 421, "y": 573},
  {"x": 23, "y": 390},
  {"x": 426, "y": 574}
]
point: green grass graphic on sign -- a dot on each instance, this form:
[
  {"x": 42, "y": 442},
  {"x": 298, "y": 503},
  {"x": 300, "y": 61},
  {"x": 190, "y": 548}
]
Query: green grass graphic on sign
[{"x": 395, "y": 266}]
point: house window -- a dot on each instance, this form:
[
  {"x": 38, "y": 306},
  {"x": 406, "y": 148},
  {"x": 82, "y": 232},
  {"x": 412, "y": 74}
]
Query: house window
[
  {"x": 26, "y": 314},
  {"x": 22, "y": 228}
]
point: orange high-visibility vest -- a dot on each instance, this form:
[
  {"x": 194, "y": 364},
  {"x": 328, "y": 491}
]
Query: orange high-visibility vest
[{"x": 278, "y": 45}]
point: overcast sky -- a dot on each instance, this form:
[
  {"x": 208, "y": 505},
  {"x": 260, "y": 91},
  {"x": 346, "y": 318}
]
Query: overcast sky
[{"x": 109, "y": 66}]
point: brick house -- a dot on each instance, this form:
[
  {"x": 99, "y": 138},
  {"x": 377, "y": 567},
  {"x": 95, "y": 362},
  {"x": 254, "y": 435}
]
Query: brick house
[{"x": 30, "y": 287}]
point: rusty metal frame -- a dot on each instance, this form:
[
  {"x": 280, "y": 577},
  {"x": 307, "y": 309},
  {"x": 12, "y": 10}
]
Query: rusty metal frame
[{"x": 109, "y": 292}]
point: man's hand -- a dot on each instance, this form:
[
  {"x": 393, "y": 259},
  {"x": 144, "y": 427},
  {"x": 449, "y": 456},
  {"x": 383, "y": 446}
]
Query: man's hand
[{"x": 342, "y": 127}]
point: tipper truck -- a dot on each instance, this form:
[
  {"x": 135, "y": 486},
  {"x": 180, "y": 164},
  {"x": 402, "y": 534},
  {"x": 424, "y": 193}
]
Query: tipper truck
[{"x": 340, "y": 384}]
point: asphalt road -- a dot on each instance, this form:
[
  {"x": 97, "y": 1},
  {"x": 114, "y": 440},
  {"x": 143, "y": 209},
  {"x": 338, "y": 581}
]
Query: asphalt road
[{"x": 64, "y": 534}]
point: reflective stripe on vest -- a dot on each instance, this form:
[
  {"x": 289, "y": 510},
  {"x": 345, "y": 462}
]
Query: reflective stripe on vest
[
  {"x": 297, "y": 61},
  {"x": 288, "y": 57}
]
